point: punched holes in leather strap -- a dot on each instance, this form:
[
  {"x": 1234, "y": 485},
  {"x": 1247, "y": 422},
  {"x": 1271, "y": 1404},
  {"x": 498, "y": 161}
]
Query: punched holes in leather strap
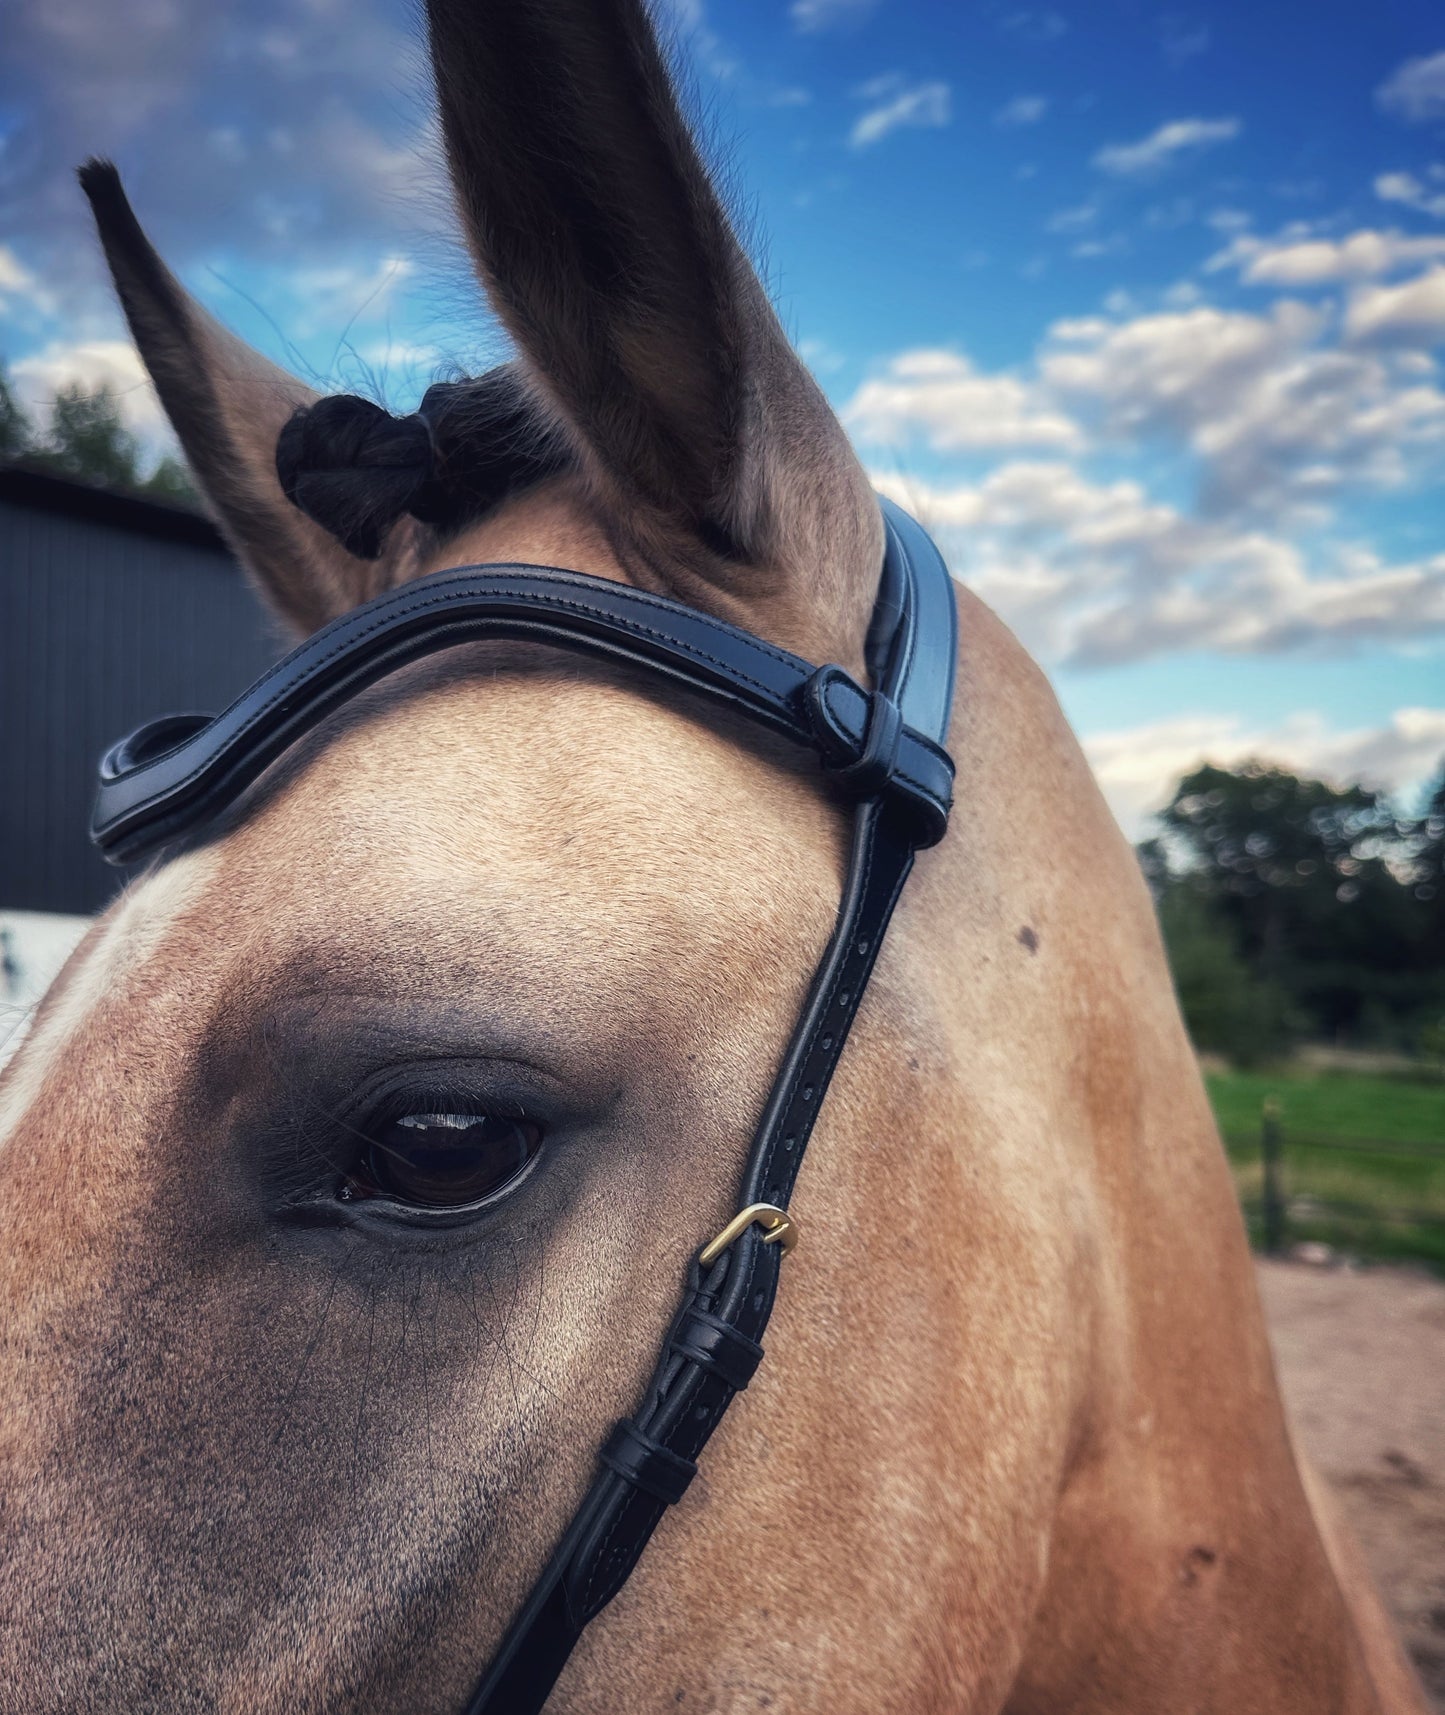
[
  {"x": 717, "y": 1346},
  {"x": 647, "y": 1464}
]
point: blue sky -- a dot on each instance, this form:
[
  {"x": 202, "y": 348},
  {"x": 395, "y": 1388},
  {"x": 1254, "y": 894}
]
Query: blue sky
[{"x": 1142, "y": 306}]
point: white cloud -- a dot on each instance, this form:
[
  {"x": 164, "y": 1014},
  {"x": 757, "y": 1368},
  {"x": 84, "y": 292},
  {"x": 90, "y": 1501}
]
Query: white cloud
[
  {"x": 1182, "y": 367},
  {"x": 1322, "y": 261},
  {"x": 812, "y": 16},
  {"x": 333, "y": 295},
  {"x": 93, "y": 364},
  {"x": 19, "y": 287},
  {"x": 1022, "y": 110},
  {"x": 1228, "y": 220},
  {"x": 1407, "y": 189},
  {"x": 1072, "y": 219},
  {"x": 1164, "y": 146},
  {"x": 1139, "y": 766},
  {"x": 1415, "y": 91},
  {"x": 1277, "y": 416},
  {"x": 1099, "y": 574},
  {"x": 1412, "y": 313},
  {"x": 1402, "y": 754},
  {"x": 1170, "y": 214},
  {"x": 1036, "y": 25},
  {"x": 690, "y": 18},
  {"x": 940, "y": 397},
  {"x": 15, "y": 277},
  {"x": 820, "y": 357},
  {"x": 900, "y": 104},
  {"x": 393, "y": 357},
  {"x": 287, "y": 139},
  {"x": 1181, "y": 40}
]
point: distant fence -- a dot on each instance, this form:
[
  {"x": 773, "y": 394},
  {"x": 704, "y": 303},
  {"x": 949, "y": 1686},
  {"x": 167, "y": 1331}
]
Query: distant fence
[{"x": 1369, "y": 1195}]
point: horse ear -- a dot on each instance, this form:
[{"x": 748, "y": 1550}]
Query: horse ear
[
  {"x": 606, "y": 252},
  {"x": 228, "y": 405}
]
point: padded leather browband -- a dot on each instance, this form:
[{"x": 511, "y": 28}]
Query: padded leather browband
[
  {"x": 884, "y": 747},
  {"x": 181, "y": 771}
]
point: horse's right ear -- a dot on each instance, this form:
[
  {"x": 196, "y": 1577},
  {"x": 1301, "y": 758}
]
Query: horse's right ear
[
  {"x": 609, "y": 257},
  {"x": 228, "y": 405}
]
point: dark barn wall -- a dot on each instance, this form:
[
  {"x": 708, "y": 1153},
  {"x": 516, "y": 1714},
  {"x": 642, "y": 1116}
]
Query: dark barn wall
[{"x": 112, "y": 611}]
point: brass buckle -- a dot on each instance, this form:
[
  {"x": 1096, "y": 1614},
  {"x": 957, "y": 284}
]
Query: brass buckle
[{"x": 779, "y": 1228}]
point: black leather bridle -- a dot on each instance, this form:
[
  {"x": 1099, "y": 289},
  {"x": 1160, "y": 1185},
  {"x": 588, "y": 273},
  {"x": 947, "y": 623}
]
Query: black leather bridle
[{"x": 883, "y": 747}]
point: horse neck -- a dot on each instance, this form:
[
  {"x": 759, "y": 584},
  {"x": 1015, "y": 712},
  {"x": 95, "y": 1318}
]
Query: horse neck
[{"x": 1084, "y": 1218}]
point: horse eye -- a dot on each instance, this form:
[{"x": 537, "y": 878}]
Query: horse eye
[{"x": 444, "y": 1161}]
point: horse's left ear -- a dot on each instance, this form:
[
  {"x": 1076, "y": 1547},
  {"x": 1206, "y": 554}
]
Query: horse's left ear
[
  {"x": 227, "y": 405},
  {"x": 605, "y": 250}
]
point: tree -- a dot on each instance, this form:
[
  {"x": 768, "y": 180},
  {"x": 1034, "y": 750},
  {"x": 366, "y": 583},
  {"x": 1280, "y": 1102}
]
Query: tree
[
  {"x": 1314, "y": 885},
  {"x": 171, "y": 481},
  {"x": 87, "y": 439},
  {"x": 1427, "y": 838},
  {"x": 1426, "y": 878},
  {"x": 1228, "y": 1009},
  {"x": 14, "y": 424}
]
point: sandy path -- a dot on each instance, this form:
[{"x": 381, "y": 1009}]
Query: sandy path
[{"x": 1361, "y": 1358}]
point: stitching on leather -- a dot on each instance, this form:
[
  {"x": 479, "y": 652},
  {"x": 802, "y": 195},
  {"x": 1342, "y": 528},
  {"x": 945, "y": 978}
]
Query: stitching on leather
[
  {"x": 827, "y": 1062},
  {"x": 629, "y": 1494},
  {"x": 656, "y": 1452},
  {"x": 599, "y": 1560},
  {"x": 437, "y": 597},
  {"x": 695, "y": 1401},
  {"x": 533, "y": 598},
  {"x": 702, "y": 1431},
  {"x": 544, "y": 602},
  {"x": 648, "y": 598}
]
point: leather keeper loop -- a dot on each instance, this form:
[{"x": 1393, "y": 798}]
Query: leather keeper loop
[
  {"x": 716, "y": 1345},
  {"x": 878, "y": 760},
  {"x": 647, "y": 1464},
  {"x": 864, "y": 765}
]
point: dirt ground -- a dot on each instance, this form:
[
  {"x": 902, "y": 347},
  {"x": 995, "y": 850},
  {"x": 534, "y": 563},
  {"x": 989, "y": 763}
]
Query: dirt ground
[{"x": 1361, "y": 1357}]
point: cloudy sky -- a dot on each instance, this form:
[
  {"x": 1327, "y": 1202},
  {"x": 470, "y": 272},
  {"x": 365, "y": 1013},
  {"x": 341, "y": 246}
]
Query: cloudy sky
[{"x": 1141, "y": 306}]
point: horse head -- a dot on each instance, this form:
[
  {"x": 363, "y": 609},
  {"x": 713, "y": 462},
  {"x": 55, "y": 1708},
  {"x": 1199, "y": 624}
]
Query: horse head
[{"x": 347, "y": 1169}]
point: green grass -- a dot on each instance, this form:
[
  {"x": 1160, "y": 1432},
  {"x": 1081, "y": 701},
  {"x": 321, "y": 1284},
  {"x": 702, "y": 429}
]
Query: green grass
[
  {"x": 1363, "y": 1161},
  {"x": 1344, "y": 1105}
]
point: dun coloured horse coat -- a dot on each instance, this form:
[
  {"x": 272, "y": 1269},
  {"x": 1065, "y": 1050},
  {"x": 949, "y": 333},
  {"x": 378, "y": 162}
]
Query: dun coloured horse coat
[{"x": 298, "y": 1392}]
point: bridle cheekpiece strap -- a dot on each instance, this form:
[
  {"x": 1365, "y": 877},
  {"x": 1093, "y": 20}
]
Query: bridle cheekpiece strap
[{"x": 884, "y": 747}]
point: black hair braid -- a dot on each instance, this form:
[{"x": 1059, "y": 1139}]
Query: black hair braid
[{"x": 355, "y": 469}]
